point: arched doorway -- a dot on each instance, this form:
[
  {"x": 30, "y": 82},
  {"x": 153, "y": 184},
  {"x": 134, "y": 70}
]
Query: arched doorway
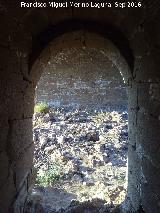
[{"x": 81, "y": 39}]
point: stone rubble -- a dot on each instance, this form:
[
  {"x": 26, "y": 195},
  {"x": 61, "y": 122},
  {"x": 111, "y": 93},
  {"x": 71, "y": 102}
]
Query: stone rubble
[{"x": 89, "y": 150}]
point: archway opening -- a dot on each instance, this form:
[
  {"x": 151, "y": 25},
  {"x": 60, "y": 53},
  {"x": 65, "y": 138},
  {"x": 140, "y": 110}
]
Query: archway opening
[{"x": 86, "y": 112}]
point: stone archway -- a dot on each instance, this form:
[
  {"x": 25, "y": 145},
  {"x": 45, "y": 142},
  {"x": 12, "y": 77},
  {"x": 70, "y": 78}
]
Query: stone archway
[{"x": 24, "y": 34}]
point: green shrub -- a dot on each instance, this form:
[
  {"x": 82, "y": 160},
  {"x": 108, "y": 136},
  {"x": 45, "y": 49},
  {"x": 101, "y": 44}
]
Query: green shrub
[
  {"x": 45, "y": 178},
  {"x": 41, "y": 107}
]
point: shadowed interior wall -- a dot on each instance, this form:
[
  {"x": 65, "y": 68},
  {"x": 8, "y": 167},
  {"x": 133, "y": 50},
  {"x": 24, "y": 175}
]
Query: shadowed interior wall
[{"x": 24, "y": 34}]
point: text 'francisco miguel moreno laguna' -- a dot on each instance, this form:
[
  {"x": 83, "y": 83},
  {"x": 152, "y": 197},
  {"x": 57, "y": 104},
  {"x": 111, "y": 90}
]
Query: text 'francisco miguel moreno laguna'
[{"x": 82, "y": 4}]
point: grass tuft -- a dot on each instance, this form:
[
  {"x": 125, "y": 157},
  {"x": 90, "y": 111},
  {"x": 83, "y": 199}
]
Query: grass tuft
[{"x": 41, "y": 107}]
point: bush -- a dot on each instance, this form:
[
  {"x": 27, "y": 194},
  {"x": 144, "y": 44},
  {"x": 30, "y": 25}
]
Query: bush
[
  {"x": 45, "y": 178},
  {"x": 41, "y": 107}
]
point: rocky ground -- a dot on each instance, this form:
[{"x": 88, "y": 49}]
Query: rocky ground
[{"x": 80, "y": 155}]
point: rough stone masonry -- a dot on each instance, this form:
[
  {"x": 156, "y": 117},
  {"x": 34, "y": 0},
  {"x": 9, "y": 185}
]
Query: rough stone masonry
[
  {"x": 129, "y": 37},
  {"x": 89, "y": 80}
]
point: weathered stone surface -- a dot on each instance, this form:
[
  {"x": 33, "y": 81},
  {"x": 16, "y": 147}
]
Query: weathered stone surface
[
  {"x": 89, "y": 79},
  {"x": 135, "y": 34}
]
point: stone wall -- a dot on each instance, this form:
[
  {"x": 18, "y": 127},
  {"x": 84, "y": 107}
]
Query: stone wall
[
  {"x": 81, "y": 77},
  {"x": 25, "y": 33}
]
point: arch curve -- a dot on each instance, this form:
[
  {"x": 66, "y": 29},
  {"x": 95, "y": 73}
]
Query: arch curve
[
  {"x": 108, "y": 31},
  {"x": 81, "y": 39}
]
